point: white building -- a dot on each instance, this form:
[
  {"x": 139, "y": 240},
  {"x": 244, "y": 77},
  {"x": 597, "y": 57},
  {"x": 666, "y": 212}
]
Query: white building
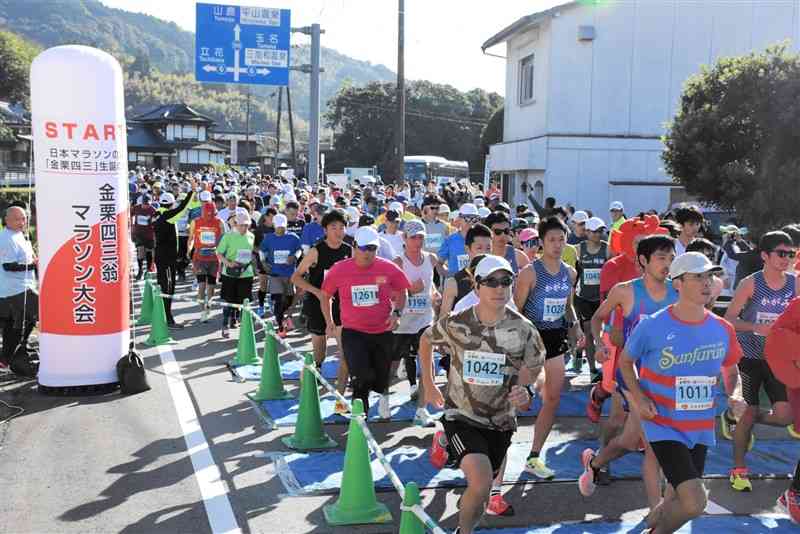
[{"x": 589, "y": 89}]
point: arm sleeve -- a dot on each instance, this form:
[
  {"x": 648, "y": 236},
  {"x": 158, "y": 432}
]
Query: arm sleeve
[
  {"x": 732, "y": 253},
  {"x": 175, "y": 212}
]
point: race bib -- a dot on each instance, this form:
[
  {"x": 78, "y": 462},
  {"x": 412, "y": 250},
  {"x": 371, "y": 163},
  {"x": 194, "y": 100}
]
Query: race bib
[
  {"x": 694, "y": 393},
  {"x": 244, "y": 256},
  {"x": 463, "y": 261},
  {"x": 433, "y": 241},
  {"x": 418, "y": 304},
  {"x": 483, "y": 368},
  {"x": 142, "y": 220},
  {"x": 554, "y": 309},
  {"x": 281, "y": 256},
  {"x": 206, "y": 251},
  {"x": 208, "y": 238},
  {"x": 364, "y": 295},
  {"x": 591, "y": 277}
]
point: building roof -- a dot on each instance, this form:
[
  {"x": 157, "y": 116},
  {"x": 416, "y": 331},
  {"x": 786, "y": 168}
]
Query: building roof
[
  {"x": 140, "y": 136},
  {"x": 173, "y": 112},
  {"x": 526, "y": 21}
]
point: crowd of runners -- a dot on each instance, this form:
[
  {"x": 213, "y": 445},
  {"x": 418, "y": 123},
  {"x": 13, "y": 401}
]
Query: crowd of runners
[{"x": 670, "y": 319}]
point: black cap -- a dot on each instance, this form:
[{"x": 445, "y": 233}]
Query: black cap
[
  {"x": 366, "y": 220},
  {"x": 392, "y": 215},
  {"x": 431, "y": 200},
  {"x": 518, "y": 223}
]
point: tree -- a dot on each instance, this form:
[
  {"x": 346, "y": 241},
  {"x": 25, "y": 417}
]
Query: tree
[
  {"x": 493, "y": 132},
  {"x": 734, "y": 139},
  {"x": 440, "y": 120},
  {"x": 16, "y": 55},
  {"x": 141, "y": 64}
]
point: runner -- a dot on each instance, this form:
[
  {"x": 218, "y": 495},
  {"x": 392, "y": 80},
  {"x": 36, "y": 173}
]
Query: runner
[
  {"x": 578, "y": 234},
  {"x": 142, "y": 218},
  {"x": 496, "y": 354},
  {"x": 709, "y": 250},
  {"x": 592, "y": 255},
  {"x": 166, "y": 248},
  {"x": 392, "y": 233},
  {"x": 316, "y": 263},
  {"x": 759, "y": 299},
  {"x": 478, "y": 242},
  {"x": 418, "y": 266},
  {"x": 500, "y": 225},
  {"x": 636, "y": 299},
  {"x": 205, "y": 233},
  {"x": 235, "y": 254},
  {"x": 691, "y": 220},
  {"x": 372, "y": 293},
  {"x": 544, "y": 292},
  {"x": 264, "y": 227},
  {"x": 452, "y": 254},
  {"x": 679, "y": 352},
  {"x": 314, "y": 231},
  {"x": 279, "y": 254}
]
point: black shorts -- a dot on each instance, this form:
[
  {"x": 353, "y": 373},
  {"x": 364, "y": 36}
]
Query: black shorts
[
  {"x": 145, "y": 243},
  {"x": 315, "y": 321},
  {"x": 466, "y": 439},
  {"x": 369, "y": 359},
  {"x": 678, "y": 462},
  {"x": 235, "y": 290},
  {"x": 555, "y": 342},
  {"x": 406, "y": 345},
  {"x": 756, "y": 373},
  {"x": 585, "y": 308}
]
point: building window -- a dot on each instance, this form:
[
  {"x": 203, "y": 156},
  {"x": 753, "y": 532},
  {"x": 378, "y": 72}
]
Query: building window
[
  {"x": 170, "y": 132},
  {"x": 201, "y": 133},
  {"x": 526, "y": 80},
  {"x": 189, "y": 132}
]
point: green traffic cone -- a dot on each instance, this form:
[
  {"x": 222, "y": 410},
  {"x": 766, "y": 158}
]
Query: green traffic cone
[
  {"x": 356, "y": 504},
  {"x": 146, "y": 309},
  {"x": 246, "y": 348},
  {"x": 308, "y": 433},
  {"x": 409, "y": 522},
  {"x": 271, "y": 386},
  {"x": 159, "y": 333}
]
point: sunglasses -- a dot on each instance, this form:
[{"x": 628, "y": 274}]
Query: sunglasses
[
  {"x": 501, "y": 231},
  {"x": 530, "y": 243},
  {"x": 785, "y": 253},
  {"x": 368, "y": 248},
  {"x": 470, "y": 218},
  {"x": 506, "y": 281}
]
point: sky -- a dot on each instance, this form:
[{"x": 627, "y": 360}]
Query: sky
[{"x": 442, "y": 37}]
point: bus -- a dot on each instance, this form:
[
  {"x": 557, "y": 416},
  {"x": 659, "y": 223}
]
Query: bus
[{"x": 423, "y": 168}]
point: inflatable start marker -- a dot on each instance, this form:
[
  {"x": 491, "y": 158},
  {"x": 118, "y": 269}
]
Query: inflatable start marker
[{"x": 80, "y": 148}]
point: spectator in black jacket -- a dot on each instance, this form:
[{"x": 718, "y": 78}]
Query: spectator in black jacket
[{"x": 166, "y": 256}]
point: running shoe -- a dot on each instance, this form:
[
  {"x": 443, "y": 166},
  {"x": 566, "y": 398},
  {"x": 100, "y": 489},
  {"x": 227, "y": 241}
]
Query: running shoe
[
  {"x": 423, "y": 418},
  {"x": 282, "y": 333},
  {"x": 727, "y": 425},
  {"x": 499, "y": 506},
  {"x": 383, "y": 407},
  {"x": 792, "y": 432},
  {"x": 740, "y": 480},
  {"x": 593, "y": 409},
  {"x": 340, "y": 408},
  {"x": 539, "y": 469},
  {"x": 225, "y": 333},
  {"x": 438, "y": 453},
  {"x": 414, "y": 392},
  {"x": 790, "y": 501},
  {"x": 603, "y": 476},
  {"x": 401, "y": 372},
  {"x": 586, "y": 482}
]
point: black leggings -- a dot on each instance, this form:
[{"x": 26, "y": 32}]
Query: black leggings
[
  {"x": 165, "y": 273},
  {"x": 279, "y": 306}
]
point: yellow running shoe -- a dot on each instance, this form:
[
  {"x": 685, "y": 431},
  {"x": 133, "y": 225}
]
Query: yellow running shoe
[
  {"x": 537, "y": 467},
  {"x": 740, "y": 480},
  {"x": 792, "y": 432},
  {"x": 340, "y": 408}
]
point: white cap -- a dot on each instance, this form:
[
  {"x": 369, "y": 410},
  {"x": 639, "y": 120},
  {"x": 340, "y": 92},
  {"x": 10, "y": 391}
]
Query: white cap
[
  {"x": 353, "y": 214},
  {"x": 289, "y": 197},
  {"x": 242, "y": 217},
  {"x": 280, "y": 221},
  {"x": 692, "y": 262},
  {"x": 490, "y": 264},
  {"x": 468, "y": 209},
  {"x": 580, "y": 217},
  {"x": 479, "y": 202},
  {"x": 205, "y": 196},
  {"x": 396, "y": 206},
  {"x": 444, "y": 208},
  {"x": 594, "y": 224},
  {"x": 366, "y": 235},
  {"x": 414, "y": 228},
  {"x": 616, "y": 205},
  {"x": 484, "y": 212},
  {"x": 166, "y": 199}
]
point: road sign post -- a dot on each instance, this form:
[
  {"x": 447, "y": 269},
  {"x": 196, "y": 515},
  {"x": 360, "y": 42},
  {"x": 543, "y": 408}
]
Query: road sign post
[{"x": 238, "y": 44}]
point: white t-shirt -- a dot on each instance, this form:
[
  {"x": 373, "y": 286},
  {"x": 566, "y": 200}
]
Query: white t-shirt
[
  {"x": 15, "y": 248},
  {"x": 396, "y": 240}
]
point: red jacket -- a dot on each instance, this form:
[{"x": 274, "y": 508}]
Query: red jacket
[{"x": 782, "y": 348}]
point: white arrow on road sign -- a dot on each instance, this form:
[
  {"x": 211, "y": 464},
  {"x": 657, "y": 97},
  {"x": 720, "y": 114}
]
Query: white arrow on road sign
[
  {"x": 263, "y": 72},
  {"x": 236, "y": 32},
  {"x": 209, "y": 68}
]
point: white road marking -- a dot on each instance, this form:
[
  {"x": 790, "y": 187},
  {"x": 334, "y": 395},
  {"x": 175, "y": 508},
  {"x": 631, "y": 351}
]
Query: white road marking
[
  {"x": 713, "y": 508},
  {"x": 213, "y": 490}
]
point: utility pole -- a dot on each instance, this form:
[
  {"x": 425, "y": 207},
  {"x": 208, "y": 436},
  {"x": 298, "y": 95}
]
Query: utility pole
[
  {"x": 400, "y": 140},
  {"x": 278, "y": 132},
  {"x": 291, "y": 126},
  {"x": 247, "y": 131},
  {"x": 314, "y": 70}
]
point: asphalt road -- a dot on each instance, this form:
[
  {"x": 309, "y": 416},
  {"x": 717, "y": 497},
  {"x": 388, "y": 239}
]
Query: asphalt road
[{"x": 121, "y": 464}]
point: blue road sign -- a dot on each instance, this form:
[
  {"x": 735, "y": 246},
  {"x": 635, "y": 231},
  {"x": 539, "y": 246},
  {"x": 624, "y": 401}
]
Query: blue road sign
[{"x": 237, "y": 44}]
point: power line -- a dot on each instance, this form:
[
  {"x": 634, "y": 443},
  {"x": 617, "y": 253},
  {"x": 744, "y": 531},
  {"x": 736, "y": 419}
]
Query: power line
[{"x": 425, "y": 115}]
